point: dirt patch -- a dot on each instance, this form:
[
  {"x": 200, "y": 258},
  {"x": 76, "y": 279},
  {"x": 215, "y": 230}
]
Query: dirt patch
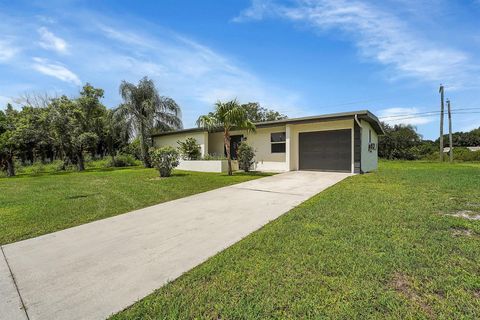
[
  {"x": 476, "y": 294},
  {"x": 403, "y": 285},
  {"x": 467, "y": 214},
  {"x": 457, "y": 232}
]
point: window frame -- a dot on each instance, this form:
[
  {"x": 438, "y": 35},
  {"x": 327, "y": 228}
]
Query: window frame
[{"x": 284, "y": 142}]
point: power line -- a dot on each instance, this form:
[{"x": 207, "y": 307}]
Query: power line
[
  {"x": 429, "y": 115},
  {"x": 425, "y": 113}
]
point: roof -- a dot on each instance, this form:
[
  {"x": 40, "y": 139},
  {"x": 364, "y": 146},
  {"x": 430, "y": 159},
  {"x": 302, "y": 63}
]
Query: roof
[{"x": 362, "y": 114}]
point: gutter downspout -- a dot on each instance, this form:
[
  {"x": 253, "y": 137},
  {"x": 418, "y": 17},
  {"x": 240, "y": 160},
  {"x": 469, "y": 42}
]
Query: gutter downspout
[{"x": 358, "y": 122}]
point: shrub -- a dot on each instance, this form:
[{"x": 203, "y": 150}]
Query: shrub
[
  {"x": 37, "y": 168},
  {"x": 133, "y": 149},
  {"x": 189, "y": 149},
  {"x": 57, "y": 165},
  {"x": 245, "y": 156},
  {"x": 122, "y": 160},
  {"x": 464, "y": 154},
  {"x": 164, "y": 159}
]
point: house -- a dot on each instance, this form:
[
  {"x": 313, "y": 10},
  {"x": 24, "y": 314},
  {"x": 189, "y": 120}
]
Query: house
[
  {"x": 473, "y": 149},
  {"x": 344, "y": 142}
]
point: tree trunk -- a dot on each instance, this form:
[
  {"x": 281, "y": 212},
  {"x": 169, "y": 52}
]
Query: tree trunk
[
  {"x": 10, "y": 167},
  {"x": 227, "y": 149},
  {"x": 80, "y": 162},
  {"x": 144, "y": 148}
]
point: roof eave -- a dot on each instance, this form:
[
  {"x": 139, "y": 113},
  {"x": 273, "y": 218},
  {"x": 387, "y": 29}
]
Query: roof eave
[{"x": 363, "y": 114}]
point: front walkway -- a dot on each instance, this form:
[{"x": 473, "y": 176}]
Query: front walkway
[{"x": 100, "y": 268}]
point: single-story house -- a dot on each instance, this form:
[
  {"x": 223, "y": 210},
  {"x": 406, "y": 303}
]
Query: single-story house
[
  {"x": 345, "y": 142},
  {"x": 473, "y": 149}
]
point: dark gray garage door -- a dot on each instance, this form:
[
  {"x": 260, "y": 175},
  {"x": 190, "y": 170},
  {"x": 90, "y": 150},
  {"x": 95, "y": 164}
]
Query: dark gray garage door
[{"x": 326, "y": 150}]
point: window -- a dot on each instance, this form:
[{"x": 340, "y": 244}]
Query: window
[
  {"x": 277, "y": 140},
  {"x": 369, "y": 135}
]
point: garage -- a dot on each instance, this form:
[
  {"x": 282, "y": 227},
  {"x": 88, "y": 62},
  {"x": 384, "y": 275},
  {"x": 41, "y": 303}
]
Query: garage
[{"x": 326, "y": 150}]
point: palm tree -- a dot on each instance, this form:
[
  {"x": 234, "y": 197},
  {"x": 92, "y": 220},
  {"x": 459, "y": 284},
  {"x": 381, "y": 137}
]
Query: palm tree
[
  {"x": 116, "y": 132},
  {"x": 146, "y": 110},
  {"x": 227, "y": 116}
]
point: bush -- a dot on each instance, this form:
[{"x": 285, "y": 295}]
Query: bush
[
  {"x": 133, "y": 149},
  {"x": 245, "y": 156},
  {"x": 189, "y": 149},
  {"x": 123, "y": 160},
  {"x": 164, "y": 159},
  {"x": 37, "y": 168},
  {"x": 464, "y": 154}
]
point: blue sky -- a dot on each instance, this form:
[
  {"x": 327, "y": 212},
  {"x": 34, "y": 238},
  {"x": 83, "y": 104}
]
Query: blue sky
[{"x": 302, "y": 57}]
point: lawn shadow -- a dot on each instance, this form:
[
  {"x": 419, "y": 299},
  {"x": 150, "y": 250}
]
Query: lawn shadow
[
  {"x": 66, "y": 172},
  {"x": 79, "y": 196}
]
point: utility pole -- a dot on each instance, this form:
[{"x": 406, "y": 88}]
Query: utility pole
[
  {"x": 441, "y": 90},
  {"x": 450, "y": 139}
]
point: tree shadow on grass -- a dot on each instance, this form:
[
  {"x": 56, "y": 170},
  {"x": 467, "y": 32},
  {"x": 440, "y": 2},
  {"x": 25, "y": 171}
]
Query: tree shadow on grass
[{"x": 61, "y": 173}]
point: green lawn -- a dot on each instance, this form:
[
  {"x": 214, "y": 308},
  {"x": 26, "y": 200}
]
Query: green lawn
[
  {"x": 34, "y": 205},
  {"x": 374, "y": 246}
]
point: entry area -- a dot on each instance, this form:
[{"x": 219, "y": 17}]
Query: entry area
[{"x": 326, "y": 150}]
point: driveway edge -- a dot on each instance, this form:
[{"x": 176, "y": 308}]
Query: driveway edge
[{"x": 11, "y": 302}]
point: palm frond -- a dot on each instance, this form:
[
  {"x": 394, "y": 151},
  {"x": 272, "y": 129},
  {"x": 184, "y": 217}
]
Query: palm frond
[{"x": 208, "y": 122}]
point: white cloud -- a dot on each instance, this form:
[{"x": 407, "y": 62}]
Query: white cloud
[
  {"x": 108, "y": 50},
  {"x": 56, "y": 70},
  {"x": 256, "y": 11},
  {"x": 380, "y": 36},
  {"x": 50, "y": 41},
  {"x": 7, "y": 50},
  {"x": 4, "y": 100},
  {"x": 190, "y": 72},
  {"x": 406, "y": 116}
]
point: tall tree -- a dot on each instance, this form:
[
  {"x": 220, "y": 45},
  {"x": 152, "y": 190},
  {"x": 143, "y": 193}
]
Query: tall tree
[
  {"x": 226, "y": 116},
  {"x": 78, "y": 123},
  {"x": 33, "y": 134},
  {"x": 88, "y": 116},
  {"x": 398, "y": 142},
  {"x": 147, "y": 110},
  {"x": 116, "y": 132},
  {"x": 257, "y": 113},
  {"x": 8, "y": 139}
]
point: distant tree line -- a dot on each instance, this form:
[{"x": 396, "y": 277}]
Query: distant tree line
[
  {"x": 61, "y": 128},
  {"x": 404, "y": 143},
  {"x": 67, "y": 130}
]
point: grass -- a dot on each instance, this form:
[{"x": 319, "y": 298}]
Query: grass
[
  {"x": 374, "y": 246},
  {"x": 32, "y": 205}
]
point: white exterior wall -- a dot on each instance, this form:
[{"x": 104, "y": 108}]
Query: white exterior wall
[
  {"x": 215, "y": 144},
  {"x": 295, "y": 129},
  {"x": 171, "y": 140},
  {"x": 265, "y": 160},
  {"x": 369, "y": 159}
]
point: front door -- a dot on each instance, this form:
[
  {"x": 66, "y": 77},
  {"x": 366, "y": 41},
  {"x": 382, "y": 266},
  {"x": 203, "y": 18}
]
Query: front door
[{"x": 234, "y": 144}]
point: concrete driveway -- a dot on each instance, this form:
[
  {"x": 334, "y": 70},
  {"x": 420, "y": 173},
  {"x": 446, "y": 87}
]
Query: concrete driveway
[{"x": 97, "y": 269}]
